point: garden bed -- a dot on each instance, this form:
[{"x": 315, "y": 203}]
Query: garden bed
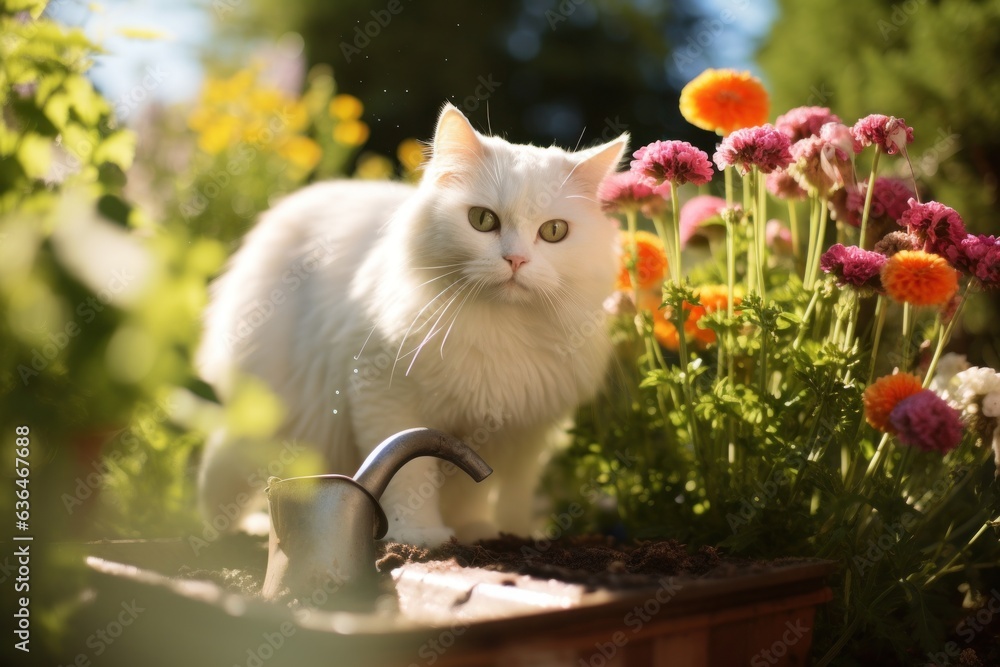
[{"x": 510, "y": 602}]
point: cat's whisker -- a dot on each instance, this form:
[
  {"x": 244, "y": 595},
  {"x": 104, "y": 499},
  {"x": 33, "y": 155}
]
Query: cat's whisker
[
  {"x": 476, "y": 289},
  {"x": 590, "y": 199},
  {"x": 410, "y": 291},
  {"x": 434, "y": 329},
  {"x": 462, "y": 282}
]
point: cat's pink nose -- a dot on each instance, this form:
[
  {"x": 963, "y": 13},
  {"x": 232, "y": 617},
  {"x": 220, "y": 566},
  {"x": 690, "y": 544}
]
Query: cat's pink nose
[{"x": 515, "y": 261}]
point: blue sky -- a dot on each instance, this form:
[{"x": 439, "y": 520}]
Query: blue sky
[{"x": 134, "y": 71}]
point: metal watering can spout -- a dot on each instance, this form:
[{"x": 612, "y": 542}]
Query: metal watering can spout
[
  {"x": 324, "y": 527},
  {"x": 386, "y": 459}
]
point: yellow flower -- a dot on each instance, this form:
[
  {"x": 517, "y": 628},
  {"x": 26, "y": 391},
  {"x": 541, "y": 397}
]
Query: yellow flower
[
  {"x": 346, "y": 107},
  {"x": 350, "y": 132},
  {"x": 265, "y": 100},
  {"x": 410, "y": 154},
  {"x": 302, "y": 152},
  {"x": 723, "y": 100},
  {"x": 372, "y": 166},
  {"x": 218, "y": 134}
]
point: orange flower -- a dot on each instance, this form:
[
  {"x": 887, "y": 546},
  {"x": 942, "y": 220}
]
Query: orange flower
[
  {"x": 665, "y": 332},
  {"x": 723, "y": 100},
  {"x": 920, "y": 278},
  {"x": 712, "y": 298},
  {"x": 651, "y": 261},
  {"x": 884, "y": 394}
]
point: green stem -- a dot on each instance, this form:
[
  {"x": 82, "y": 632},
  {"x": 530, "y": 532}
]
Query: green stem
[
  {"x": 944, "y": 335},
  {"x": 805, "y": 319},
  {"x": 881, "y": 306},
  {"x": 811, "y": 241},
  {"x": 680, "y": 316},
  {"x": 907, "y": 334},
  {"x": 793, "y": 225},
  {"x": 868, "y": 198},
  {"x": 760, "y": 223},
  {"x": 824, "y": 214}
]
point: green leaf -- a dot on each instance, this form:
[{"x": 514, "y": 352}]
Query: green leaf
[
  {"x": 35, "y": 155},
  {"x": 57, "y": 110},
  {"x": 118, "y": 148}
]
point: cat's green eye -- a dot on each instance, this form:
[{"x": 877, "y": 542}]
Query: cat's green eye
[
  {"x": 553, "y": 231},
  {"x": 483, "y": 219}
]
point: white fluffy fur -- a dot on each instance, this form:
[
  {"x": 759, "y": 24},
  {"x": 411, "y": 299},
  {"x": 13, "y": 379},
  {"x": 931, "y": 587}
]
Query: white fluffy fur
[{"x": 391, "y": 309}]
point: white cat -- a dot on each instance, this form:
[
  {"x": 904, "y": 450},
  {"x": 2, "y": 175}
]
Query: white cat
[{"x": 471, "y": 303}]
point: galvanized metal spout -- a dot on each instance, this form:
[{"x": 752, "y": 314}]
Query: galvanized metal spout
[
  {"x": 394, "y": 452},
  {"x": 324, "y": 527}
]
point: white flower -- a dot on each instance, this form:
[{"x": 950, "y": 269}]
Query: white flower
[
  {"x": 943, "y": 384},
  {"x": 991, "y": 404},
  {"x": 972, "y": 384}
]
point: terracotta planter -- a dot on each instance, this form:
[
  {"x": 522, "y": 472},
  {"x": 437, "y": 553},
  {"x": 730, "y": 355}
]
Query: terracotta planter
[{"x": 449, "y": 615}]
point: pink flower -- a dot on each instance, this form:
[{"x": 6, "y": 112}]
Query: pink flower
[
  {"x": 696, "y": 211},
  {"x": 820, "y": 166},
  {"x": 889, "y": 133},
  {"x": 938, "y": 227},
  {"x": 926, "y": 422},
  {"x": 677, "y": 162},
  {"x": 627, "y": 190},
  {"x": 763, "y": 147},
  {"x": 802, "y": 122},
  {"x": 979, "y": 256},
  {"x": 778, "y": 236},
  {"x": 783, "y": 185},
  {"x": 854, "y": 267},
  {"x": 893, "y": 242},
  {"x": 890, "y": 200},
  {"x": 841, "y": 136}
]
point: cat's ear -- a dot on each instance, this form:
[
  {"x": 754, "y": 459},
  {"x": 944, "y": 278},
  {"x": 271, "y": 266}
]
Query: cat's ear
[
  {"x": 456, "y": 143},
  {"x": 597, "y": 162}
]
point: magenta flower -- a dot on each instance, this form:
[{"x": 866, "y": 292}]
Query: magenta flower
[
  {"x": 926, "y": 422},
  {"x": 854, "y": 267},
  {"x": 893, "y": 242},
  {"x": 627, "y": 190},
  {"x": 979, "y": 256},
  {"x": 783, "y": 185},
  {"x": 802, "y": 122},
  {"x": 938, "y": 227},
  {"x": 820, "y": 166},
  {"x": 889, "y": 133},
  {"x": 890, "y": 200},
  {"x": 676, "y": 162},
  {"x": 696, "y": 211},
  {"x": 763, "y": 147}
]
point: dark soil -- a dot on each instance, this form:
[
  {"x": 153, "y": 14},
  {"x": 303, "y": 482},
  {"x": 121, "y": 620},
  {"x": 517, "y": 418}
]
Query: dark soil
[
  {"x": 591, "y": 560},
  {"x": 238, "y": 563}
]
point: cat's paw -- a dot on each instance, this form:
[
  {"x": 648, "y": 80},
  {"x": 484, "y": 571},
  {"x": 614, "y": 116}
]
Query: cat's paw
[{"x": 424, "y": 536}]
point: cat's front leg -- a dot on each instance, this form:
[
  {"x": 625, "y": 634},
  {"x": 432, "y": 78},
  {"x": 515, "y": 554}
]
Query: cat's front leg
[{"x": 412, "y": 504}]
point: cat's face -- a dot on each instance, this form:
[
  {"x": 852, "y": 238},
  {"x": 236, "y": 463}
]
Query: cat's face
[{"x": 517, "y": 224}]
